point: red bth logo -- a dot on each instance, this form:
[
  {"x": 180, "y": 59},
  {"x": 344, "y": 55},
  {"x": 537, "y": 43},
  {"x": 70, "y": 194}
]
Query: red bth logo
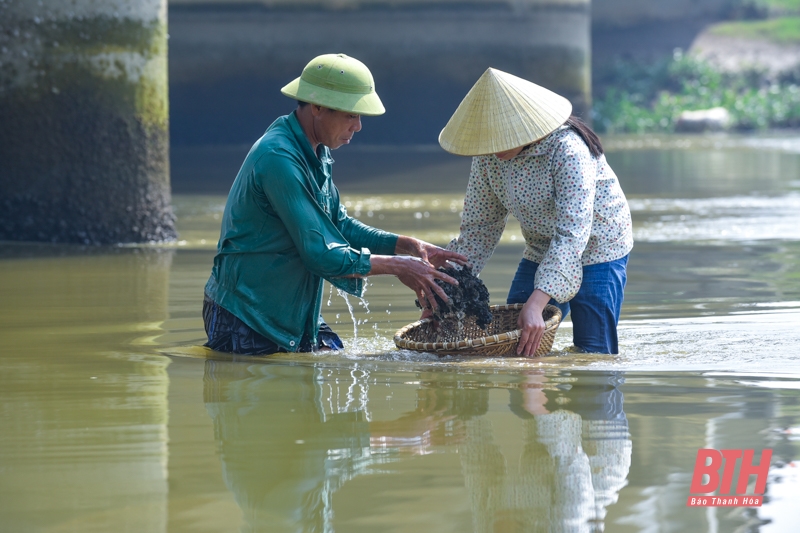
[{"x": 714, "y": 470}]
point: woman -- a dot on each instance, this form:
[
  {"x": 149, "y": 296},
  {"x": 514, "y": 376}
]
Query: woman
[{"x": 534, "y": 160}]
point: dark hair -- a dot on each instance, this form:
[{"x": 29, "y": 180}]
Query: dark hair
[
  {"x": 589, "y": 137},
  {"x": 301, "y": 104}
]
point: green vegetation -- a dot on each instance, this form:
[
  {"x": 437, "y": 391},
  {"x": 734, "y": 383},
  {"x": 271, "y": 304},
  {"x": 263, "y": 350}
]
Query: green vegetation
[
  {"x": 778, "y": 6},
  {"x": 761, "y": 9},
  {"x": 641, "y": 98},
  {"x": 638, "y": 97},
  {"x": 784, "y": 30}
]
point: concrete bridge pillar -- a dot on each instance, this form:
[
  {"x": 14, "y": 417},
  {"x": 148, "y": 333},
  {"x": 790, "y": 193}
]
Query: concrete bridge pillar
[
  {"x": 229, "y": 58},
  {"x": 84, "y": 145}
]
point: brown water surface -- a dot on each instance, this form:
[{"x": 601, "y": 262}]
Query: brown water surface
[{"x": 114, "y": 419}]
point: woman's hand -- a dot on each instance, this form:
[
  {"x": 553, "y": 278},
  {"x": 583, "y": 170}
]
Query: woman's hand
[
  {"x": 531, "y": 323},
  {"x": 426, "y": 251}
]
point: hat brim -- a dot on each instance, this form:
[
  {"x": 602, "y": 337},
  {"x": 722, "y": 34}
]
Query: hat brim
[
  {"x": 495, "y": 148},
  {"x": 369, "y": 105},
  {"x": 502, "y": 112}
]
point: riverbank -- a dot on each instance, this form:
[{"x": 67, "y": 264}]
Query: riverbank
[
  {"x": 651, "y": 97},
  {"x": 747, "y": 70}
]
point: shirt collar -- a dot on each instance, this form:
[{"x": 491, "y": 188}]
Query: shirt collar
[
  {"x": 305, "y": 145},
  {"x": 542, "y": 146}
]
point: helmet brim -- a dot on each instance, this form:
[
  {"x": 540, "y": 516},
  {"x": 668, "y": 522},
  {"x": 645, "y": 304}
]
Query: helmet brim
[{"x": 369, "y": 105}]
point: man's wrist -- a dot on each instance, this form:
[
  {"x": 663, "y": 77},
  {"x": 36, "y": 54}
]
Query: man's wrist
[
  {"x": 383, "y": 264},
  {"x": 404, "y": 244}
]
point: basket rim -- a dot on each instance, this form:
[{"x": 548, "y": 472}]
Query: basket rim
[{"x": 466, "y": 344}]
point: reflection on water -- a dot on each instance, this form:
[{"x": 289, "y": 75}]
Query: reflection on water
[
  {"x": 529, "y": 454},
  {"x": 718, "y": 220},
  {"x": 705, "y": 166},
  {"x": 99, "y": 431},
  {"x": 365, "y": 448},
  {"x": 83, "y": 397}
]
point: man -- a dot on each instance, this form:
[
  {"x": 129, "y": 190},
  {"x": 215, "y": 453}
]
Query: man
[{"x": 284, "y": 229}]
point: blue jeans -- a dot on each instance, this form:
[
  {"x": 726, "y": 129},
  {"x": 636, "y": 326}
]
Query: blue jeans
[{"x": 595, "y": 309}]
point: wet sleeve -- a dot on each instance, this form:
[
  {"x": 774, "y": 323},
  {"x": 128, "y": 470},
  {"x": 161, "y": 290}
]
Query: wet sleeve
[
  {"x": 483, "y": 220},
  {"x": 321, "y": 246},
  {"x": 574, "y": 172}
]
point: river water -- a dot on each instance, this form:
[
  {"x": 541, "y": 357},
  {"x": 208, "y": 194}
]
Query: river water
[{"x": 115, "y": 419}]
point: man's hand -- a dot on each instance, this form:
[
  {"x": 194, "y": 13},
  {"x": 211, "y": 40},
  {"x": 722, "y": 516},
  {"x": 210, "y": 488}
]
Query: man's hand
[
  {"x": 531, "y": 323},
  {"x": 419, "y": 275},
  {"x": 431, "y": 253},
  {"x": 415, "y": 273},
  {"x": 426, "y": 313}
]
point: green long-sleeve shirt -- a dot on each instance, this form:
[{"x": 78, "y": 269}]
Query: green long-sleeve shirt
[{"x": 283, "y": 232}]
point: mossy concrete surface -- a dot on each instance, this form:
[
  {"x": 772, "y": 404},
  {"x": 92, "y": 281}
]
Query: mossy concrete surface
[
  {"x": 84, "y": 140},
  {"x": 361, "y": 4}
]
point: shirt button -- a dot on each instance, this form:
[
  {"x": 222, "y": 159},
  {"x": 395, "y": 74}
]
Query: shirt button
[{"x": 291, "y": 343}]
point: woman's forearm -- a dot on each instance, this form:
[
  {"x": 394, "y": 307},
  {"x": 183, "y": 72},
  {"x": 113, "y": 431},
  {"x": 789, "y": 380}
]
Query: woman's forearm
[{"x": 538, "y": 300}]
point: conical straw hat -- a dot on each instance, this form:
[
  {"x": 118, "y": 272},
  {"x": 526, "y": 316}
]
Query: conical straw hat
[{"x": 502, "y": 112}]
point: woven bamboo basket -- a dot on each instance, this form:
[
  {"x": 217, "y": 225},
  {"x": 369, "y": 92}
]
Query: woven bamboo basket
[{"x": 498, "y": 339}]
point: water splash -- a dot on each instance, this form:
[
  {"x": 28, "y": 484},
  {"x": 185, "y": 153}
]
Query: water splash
[{"x": 352, "y": 314}]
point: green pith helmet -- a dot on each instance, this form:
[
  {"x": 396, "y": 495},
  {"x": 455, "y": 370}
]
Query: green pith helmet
[{"x": 339, "y": 82}]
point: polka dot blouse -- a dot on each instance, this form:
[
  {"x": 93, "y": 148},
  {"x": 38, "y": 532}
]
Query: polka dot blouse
[{"x": 569, "y": 204}]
